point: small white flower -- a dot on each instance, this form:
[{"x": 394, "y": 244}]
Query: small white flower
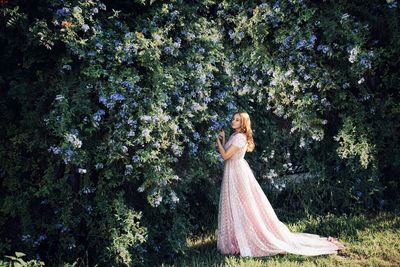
[
  {"x": 272, "y": 154},
  {"x": 174, "y": 198},
  {"x": 74, "y": 140},
  {"x": 59, "y": 97},
  {"x": 176, "y": 177},
  {"x": 353, "y": 54},
  {"x": 140, "y": 189},
  {"x": 196, "y": 106},
  {"x": 302, "y": 142},
  {"x": 131, "y": 133},
  {"x": 80, "y": 170}
]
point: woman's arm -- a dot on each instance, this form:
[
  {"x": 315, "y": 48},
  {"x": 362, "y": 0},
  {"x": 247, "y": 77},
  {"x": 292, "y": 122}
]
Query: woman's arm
[{"x": 227, "y": 154}]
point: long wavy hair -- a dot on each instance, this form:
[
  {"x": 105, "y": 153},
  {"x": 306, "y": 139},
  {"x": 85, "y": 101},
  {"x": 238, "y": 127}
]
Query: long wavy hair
[{"x": 245, "y": 127}]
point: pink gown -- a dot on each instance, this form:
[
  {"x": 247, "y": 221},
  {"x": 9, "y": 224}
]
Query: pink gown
[{"x": 247, "y": 223}]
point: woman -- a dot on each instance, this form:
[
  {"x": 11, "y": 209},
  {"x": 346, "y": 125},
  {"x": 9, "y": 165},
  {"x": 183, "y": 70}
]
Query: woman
[{"x": 247, "y": 224}]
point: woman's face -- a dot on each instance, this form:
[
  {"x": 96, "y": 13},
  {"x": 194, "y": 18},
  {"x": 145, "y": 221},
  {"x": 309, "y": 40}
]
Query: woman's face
[{"x": 236, "y": 122}]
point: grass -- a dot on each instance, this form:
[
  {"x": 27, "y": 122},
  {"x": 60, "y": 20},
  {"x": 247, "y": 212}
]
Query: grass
[{"x": 370, "y": 241}]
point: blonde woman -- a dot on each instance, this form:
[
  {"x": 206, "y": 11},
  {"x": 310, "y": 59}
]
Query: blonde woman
[{"x": 247, "y": 223}]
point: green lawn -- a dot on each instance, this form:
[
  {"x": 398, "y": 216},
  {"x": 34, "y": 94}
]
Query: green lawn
[{"x": 370, "y": 241}]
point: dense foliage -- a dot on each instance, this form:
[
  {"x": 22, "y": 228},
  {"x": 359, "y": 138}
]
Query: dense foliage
[{"x": 110, "y": 110}]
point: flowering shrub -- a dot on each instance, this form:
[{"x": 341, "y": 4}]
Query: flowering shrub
[{"x": 111, "y": 111}]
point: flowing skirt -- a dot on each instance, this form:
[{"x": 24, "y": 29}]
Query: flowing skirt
[{"x": 248, "y": 225}]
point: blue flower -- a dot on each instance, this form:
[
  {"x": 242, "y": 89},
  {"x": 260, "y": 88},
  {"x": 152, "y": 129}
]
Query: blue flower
[
  {"x": 365, "y": 63},
  {"x": 127, "y": 84},
  {"x": 85, "y": 27},
  {"x": 25, "y": 237},
  {"x": 199, "y": 67},
  {"x": 136, "y": 158},
  {"x": 67, "y": 155},
  {"x": 177, "y": 44},
  {"x": 89, "y": 190},
  {"x": 312, "y": 40},
  {"x": 117, "y": 97},
  {"x": 196, "y": 136},
  {"x": 103, "y": 100},
  {"x": 157, "y": 201},
  {"x": 66, "y": 67},
  {"x": 146, "y": 133},
  {"x": 286, "y": 42},
  {"x": 146, "y": 118},
  {"x": 300, "y": 44},
  {"x": 99, "y": 46},
  {"x": 91, "y": 53},
  {"x": 98, "y": 115},
  {"x": 168, "y": 50},
  {"x": 102, "y": 6},
  {"x": 276, "y": 6},
  {"x": 99, "y": 166},
  {"x": 63, "y": 11},
  {"x": 323, "y": 48},
  {"x": 118, "y": 24},
  {"x": 391, "y": 3},
  {"x": 128, "y": 35},
  {"x": 128, "y": 169},
  {"x": 117, "y": 43},
  {"x": 193, "y": 148},
  {"x": 42, "y": 237},
  {"x": 231, "y": 106},
  {"x": 55, "y": 150},
  {"x": 132, "y": 122},
  {"x": 177, "y": 150}
]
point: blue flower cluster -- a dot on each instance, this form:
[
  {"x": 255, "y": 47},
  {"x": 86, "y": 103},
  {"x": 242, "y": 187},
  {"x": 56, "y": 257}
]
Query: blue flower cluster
[
  {"x": 117, "y": 97},
  {"x": 110, "y": 103},
  {"x": 40, "y": 238},
  {"x": 132, "y": 88},
  {"x": 325, "y": 49},
  {"x": 67, "y": 155},
  {"x": 98, "y": 116},
  {"x": 66, "y": 67},
  {"x": 128, "y": 169},
  {"x": 89, "y": 190},
  {"x": 55, "y": 150},
  {"x": 236, "y": 36},
  {"x": 303, "y": 43},
  {"x": 62, "y": 12}
]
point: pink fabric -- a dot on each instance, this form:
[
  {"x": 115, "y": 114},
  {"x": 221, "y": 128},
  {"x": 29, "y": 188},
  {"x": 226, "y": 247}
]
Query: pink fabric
[{"x": 247, "y": 223}]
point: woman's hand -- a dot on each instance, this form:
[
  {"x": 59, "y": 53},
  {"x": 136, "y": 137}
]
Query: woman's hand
[
  {"x": 221, "y": 137},
  {"x": 218, "y": 141},
  {"x": 221, "y": 134}
]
